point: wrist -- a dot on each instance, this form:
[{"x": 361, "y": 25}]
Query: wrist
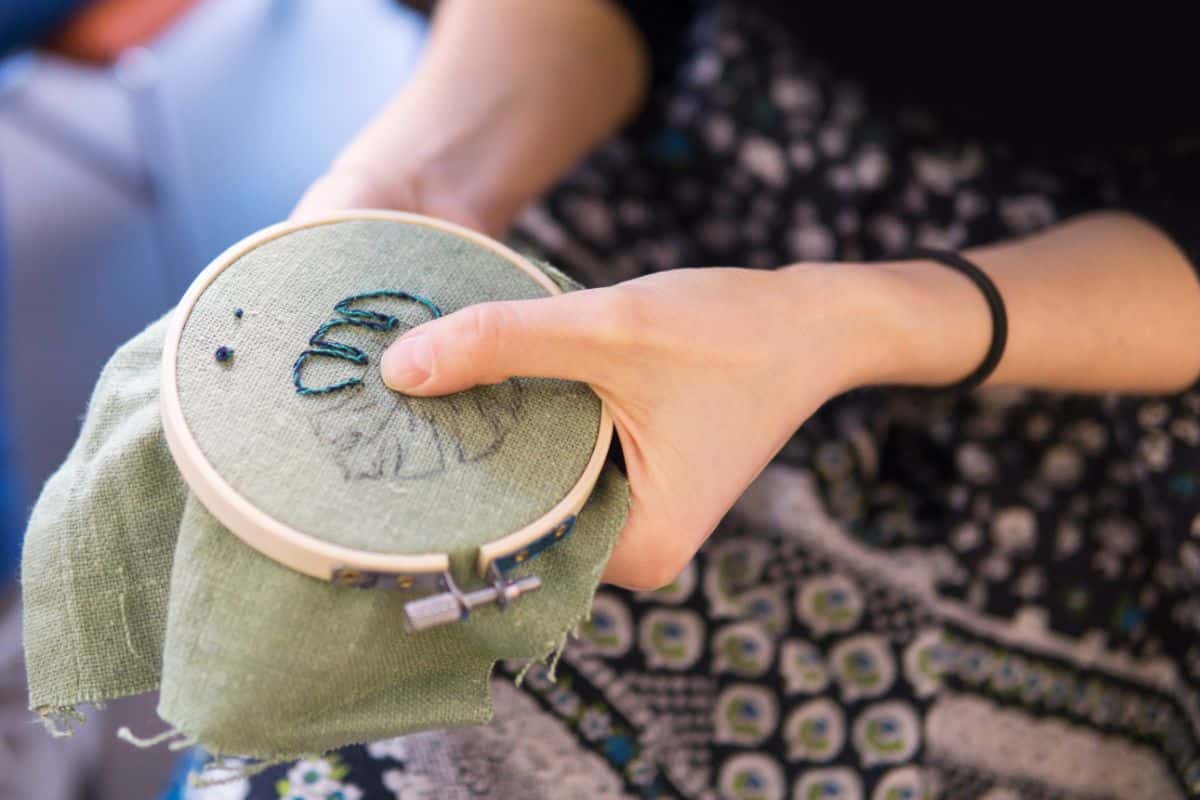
[
  {"x": 915, "y": 323},
  {"x": 423, "y": 187},
  {"x": 939, "y": 319},
  {"x": 417, "y": 163}
]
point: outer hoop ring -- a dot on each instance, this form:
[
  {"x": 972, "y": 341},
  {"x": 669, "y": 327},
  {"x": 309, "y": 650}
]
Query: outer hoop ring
[{"x": 294, "y": 548}]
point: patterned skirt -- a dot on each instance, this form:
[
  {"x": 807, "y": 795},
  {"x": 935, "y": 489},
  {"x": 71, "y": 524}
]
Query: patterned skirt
[{"x": 992, "y": 596}]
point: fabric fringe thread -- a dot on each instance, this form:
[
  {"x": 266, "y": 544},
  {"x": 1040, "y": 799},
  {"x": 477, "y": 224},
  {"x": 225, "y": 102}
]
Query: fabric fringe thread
[
  {"x": 60, "y": 721},
  {"x": 218, "y": 769},
  {"x": 182, "y": 740},
  {"x": 554, "y": 654}
]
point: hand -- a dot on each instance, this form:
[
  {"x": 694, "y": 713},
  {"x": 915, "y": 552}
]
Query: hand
[
  {"x": 707, "y": 373},
  {"x": 346, "y": 187},
  {"x": 507, "y": 96}
]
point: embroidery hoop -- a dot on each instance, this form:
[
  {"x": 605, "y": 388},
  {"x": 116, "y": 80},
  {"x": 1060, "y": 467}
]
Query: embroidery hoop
[{"x": 348, "y": 566}]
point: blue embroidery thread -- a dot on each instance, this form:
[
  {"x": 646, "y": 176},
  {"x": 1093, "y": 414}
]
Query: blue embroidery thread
[
  {"x": 223, "y": 354},
  {"x": 320, "y": 347}
]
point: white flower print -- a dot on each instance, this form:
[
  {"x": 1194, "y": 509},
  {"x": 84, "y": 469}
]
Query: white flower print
[
  {"x": 1067, "y": 540},
  {"x": 833, "y": 141},
  {"x": 996, "y": 568},
  {"x": 949, "y": 237},
  {"x": 966, "y": 537},
  {"x": 706, "y": 69},
  {"x": 752, "y": 776},
  {"x": 1155, "y": 450},
  {"x": 811, "y": 242},
  {"x": 832, "y": 782},
  {"x": 976, "y": 463},
  {"x": 886, "y": 733},
  {"x": 863, "y": 666},
  {"x": 1026, "y": 213},
  {"x": 720, "y": 134},
  {"x": 591, "y": 217},
  {"x": 1030, "y": 583},
  {"x": 312, "y": 780},
  {"x": 802, "y": 156},
  {"x": 745, "y": 714},
  {"x": 411, "y": 786},
  {"x": 1062, "y": 465},
  {"x": 969, "y": 204},
  {"x": 234, "y": 790},
  {"x": 871, "y": 168},
  {"x": 764, "y": 159},
  {"x": 609, "y": 627},
  {"x": 889, "y": 231},
  {"x": 565, "y": 701},
  {"x": 743, "y": 648},
  {"x": 1014, "y": 529},
  {"x": 795, "y": 94},
  {"x": 595, "y": 723},
  {"x": 803, "y": 667},
  {"x": 829, "y": 604},
  {"x": 934, "y": 171},
  {"x": 388, "y": 748},
  {"x": 815, "y": 731}
]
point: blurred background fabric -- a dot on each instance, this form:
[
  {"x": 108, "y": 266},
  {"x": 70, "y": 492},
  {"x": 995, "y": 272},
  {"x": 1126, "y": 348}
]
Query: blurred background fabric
[
  {"x": 139, "y": 139},
  {"x": 9, "y": 545}
]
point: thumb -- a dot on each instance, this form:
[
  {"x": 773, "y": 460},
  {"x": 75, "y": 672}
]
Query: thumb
[{"x": 552, "y": 337}]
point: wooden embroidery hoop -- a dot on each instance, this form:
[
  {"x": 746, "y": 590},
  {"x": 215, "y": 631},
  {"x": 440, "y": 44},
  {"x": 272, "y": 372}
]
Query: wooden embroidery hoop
[{"x": 344, "y": 565}]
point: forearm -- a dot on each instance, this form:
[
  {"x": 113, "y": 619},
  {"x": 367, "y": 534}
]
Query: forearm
[
  {"x": 1103, "y": 302},
  {"x": 509, "y": 94}
]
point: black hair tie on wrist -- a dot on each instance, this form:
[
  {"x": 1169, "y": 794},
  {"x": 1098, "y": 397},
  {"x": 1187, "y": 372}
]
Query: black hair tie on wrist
[{"x": 995, "y": 305}]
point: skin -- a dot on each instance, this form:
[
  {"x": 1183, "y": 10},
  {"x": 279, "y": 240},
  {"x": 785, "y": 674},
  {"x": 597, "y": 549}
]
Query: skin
[{"x": 511, "y": 93}]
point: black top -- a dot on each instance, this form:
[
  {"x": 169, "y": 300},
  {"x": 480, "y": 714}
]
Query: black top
[{"x": 1109, "y": 81}]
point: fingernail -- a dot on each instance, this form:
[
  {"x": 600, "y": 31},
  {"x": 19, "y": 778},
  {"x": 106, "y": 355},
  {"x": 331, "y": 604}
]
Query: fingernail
[{"x": 407, "y": 363}]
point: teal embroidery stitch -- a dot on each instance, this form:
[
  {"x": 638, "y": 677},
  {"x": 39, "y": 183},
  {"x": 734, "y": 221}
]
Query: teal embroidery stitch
[
  {"x": 320, "y": 347},
  {"x": 386, "y": 320}
]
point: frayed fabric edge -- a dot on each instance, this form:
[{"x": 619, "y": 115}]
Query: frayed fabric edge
[
  {"x": 218, "y": 769},
  {"x": 222, "y": 769},
  {"x": 552, "y": 656},
  {"x": 60, "y": 721}
]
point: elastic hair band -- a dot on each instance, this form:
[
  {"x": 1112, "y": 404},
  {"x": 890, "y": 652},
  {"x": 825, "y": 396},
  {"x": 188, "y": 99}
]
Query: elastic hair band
[{"x": 995, "y": 304}]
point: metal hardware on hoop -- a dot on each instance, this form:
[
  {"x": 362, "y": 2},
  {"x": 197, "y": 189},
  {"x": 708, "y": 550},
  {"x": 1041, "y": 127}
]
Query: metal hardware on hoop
[{"x": 452, "y": 604}]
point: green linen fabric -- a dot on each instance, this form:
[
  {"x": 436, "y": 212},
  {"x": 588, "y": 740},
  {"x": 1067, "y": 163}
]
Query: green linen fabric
[
  {"x": 402, "y": 466},
  {"x": 129, "y": 584}
]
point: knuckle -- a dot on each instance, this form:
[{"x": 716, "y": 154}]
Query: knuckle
[
  {"x": 623, "y": 317},
  {"x": 483, "y": 330}
]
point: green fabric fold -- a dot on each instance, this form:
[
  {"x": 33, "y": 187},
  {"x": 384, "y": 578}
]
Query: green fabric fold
[
  {"x": 97, "y": 555},
  {"x": 130, "y": 585}
]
